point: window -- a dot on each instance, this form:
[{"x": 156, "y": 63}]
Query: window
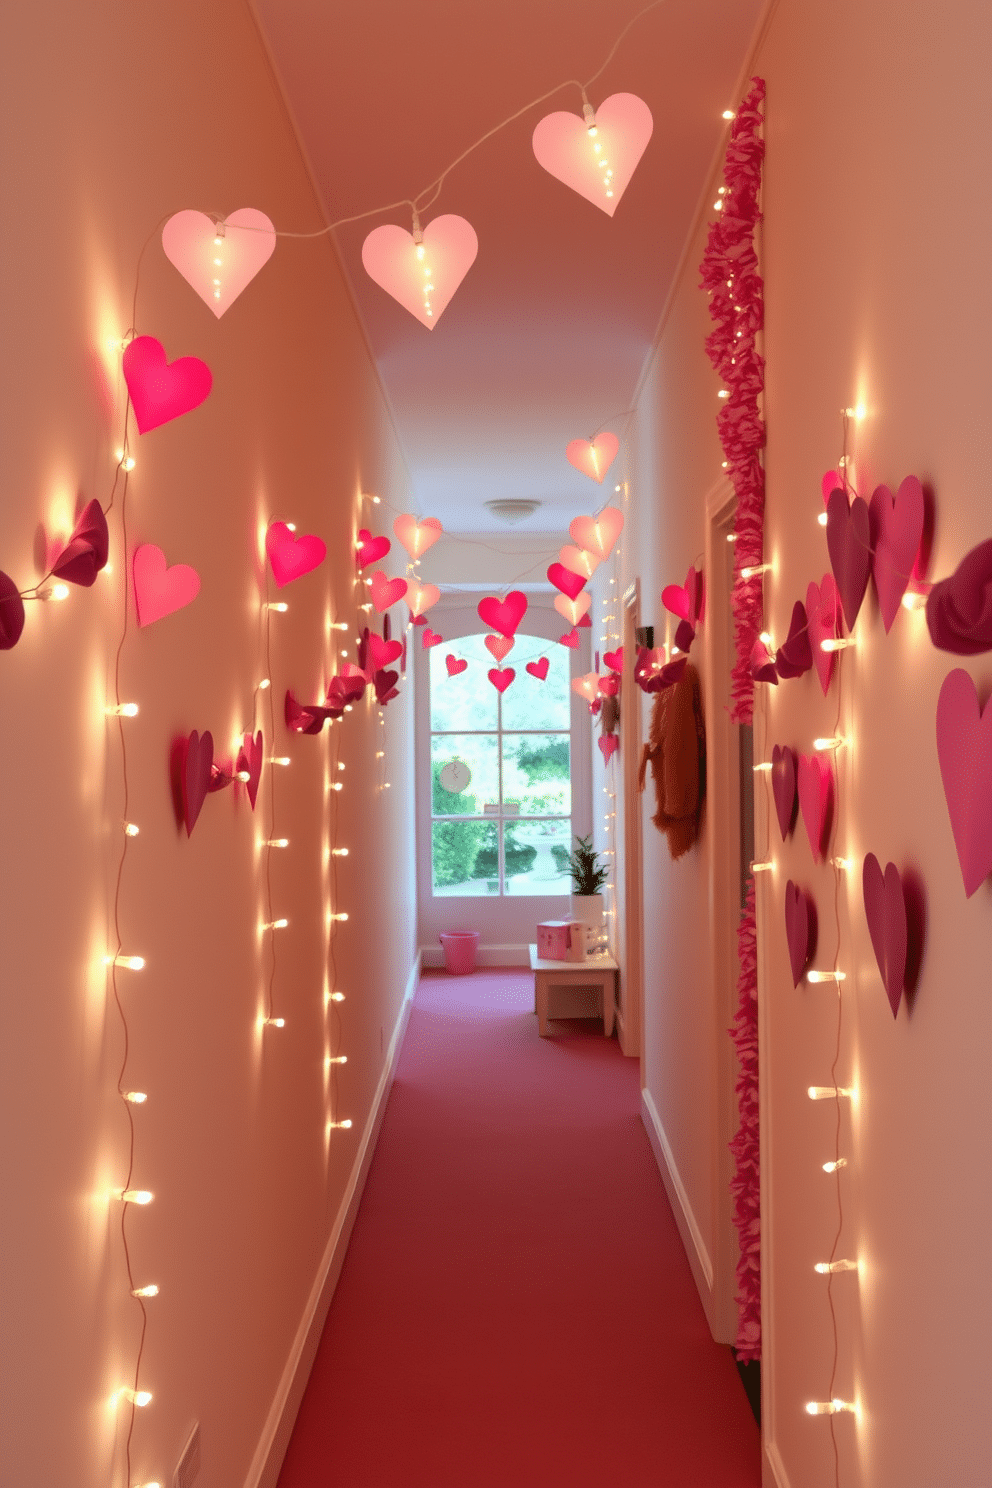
[{"x": 508, "y": 830}]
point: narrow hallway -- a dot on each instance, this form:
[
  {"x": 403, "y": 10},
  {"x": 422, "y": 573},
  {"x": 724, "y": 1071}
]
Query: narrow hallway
[{"x": 515, "y": 1305}]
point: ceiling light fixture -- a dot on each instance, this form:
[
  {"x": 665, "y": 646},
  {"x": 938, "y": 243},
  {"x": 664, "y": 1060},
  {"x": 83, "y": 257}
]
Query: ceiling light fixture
[{"x": 512, "y": 509}]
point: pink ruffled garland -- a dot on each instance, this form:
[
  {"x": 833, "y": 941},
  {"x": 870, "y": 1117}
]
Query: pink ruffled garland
[
  {"x": 746, "y": 1187},
  {"x": 730, "y": 275}
]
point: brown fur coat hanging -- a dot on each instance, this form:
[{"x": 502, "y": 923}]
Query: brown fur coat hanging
[{"x": 676, "y": 749}]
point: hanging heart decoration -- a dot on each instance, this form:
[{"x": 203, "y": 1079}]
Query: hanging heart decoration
[
  {"x": 219, "y": 259},
  {"x": 609, "y": 744},
  {"x": 430, "y": 638},
  {"x": 614, "y": 659},
  {"x": 416, "y": 536},
  {"x": 849, "y": 546},
  {"x": 454, "y": 665},
  {"x": 423, "y": 276},
  {"x": 595, "y": 156},
  {"x": 386, "y": 591},
  {"x": 896, "y": 533},
  {"x": 569, "y": 639},
  {"x": 382, "y": 652},
  {"x": 420, "y": 597},
  {"x": 304, "y": 720},
  {"x": 11, "y": 613},
  {"x": 685, "y": 634},
  {"x": 347, "y": 687},
  {"x": 800, "y": 929},
  {"x": 593, "y": 456},
  {"x": 161, "y": 390},
  {"x": 290, "y": 556},
  {"x": 369, "y": 549},
  {"x": 578, "y": 560},
  {"x": 598, "y": 534},
  {"x": 762, "y": 664},
  {"x": 795, "y": 655},
  {"x": 609, "y": 686},
  {"x": 503, "y": 615},
  {"x": 159, "y": 590},
  {"x": 498, "y": 646},
  {"x": 964, "y": 749},
  {"x": 888, "y": 926},
  {"x": 783, "y": 774},
  {"x": 501, "y": 679},
  {"x": 385, "y": 686},
  {"x": 586, "y": 686},
  {"x": 250, "y": 756},
  {"x": 823, "y": 623},
  {"x": 959, "y": 609},
  {"x": 565, "y": 579},
  {"x": 197, "y": 767},
  {"x": 538, "y": 669},
  {"x": 572, "y": 610},
  {"x": 685, "y": 600},
  {"x": 85, "y": 554},
  {"x": 816, "y": 796}
]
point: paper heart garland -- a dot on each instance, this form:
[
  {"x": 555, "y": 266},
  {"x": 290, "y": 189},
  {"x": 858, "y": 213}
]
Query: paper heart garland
[
  {"x": 454, "y": 665},
  {"x": 609, "y": 686},
  {"x": 795, "y": 655},
  {"x": 346, "y": 688},
  {"x": 197, "y": 767},
  {"x": 762, "y": 664},
  {"x": 685, "y": 600},
  {"x": 11, "y": 613},
  {"x": 593, "y": 456},
  {"x": 783, "y": 774},
  {"x": 381, "y": 652},
  {"x": 85, "y": 554},
  {"x": 959, "y": 609},
  {"x": 800, "y": 929},
  {"x": 885, "y": 911},
  {"x": 964, "y": 749},
  {"x": 247, "y": 242},
  {"x": 578, "y": 560},
  {"x": 420, "y": 597},
  {"x": 614, "y": 659},
  {"x": 597, "y": 534},
  {"x": 416, "y": 536},
  {"x": 422, "y": 277},
  {"x": 896, "y": 533},
  {"x": 385, "y": 686},
  {"x": 585, "y": 623},
  {"x": 386, "y": 591},
  {"x": 538, "y": 669},
  {"x": 250, "y": 756},
  {"x": 501, "y": 679},
  {"x": 816, "y": 795},
  {"x": 430, "y": 638},
  {"x": 158, "y": 590},
  {"x": 573, "y": 610},
  {"x": 598, "y": 158},
  {"x": 304, "y": 720},
  {"x": 498, "y": 646},
  {"x": 290, "y": 557},
  {"x": 368, "y": 548},
  {"x": 504, "y": 615},
  {"x": 161, "y": 390},
  {"x": 566, "y": 579},
  {"x": 823, "y": 623},
  {"x": 849, "y": 546},
  {"x": 569, "y": 639},
  {"x": 609, "y": 744}
]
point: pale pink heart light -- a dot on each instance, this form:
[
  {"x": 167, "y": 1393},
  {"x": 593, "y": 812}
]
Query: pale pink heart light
[
  {"x": 593, "y": 456},
  {"x": 290, "y": 556},
  {"x": 572, "y": 610},
  {"x": 579, "y": 560},
  {"x": 386, "y": 591},
  {"x": 416, "y": 536},
  {"x": 421, "y": 276},
  {"x": 159, "y": 590},
  {"x": 596, "y": 157},
  {"x": 499, "y": 646},
  {"x": 420, "y": 597},
  {"x": 243, "y": 243},
  {"x": 586, "y": 686},
  {"x": 964, "y": 749},
  {"x": 598, "y": 534},
  {"x": 161, "y": 390}
]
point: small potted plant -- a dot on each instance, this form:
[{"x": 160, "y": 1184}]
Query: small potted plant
[{"x": 588, "y": 877}]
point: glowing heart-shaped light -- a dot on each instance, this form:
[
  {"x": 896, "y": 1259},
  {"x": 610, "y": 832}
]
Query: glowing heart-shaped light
[
  {"x": 570, "y": 639},
  {"x": 368, "y": 548},
  {"x": 586, "y": 686},
  {"x": 566, "y": 579},
  {"x": 430, "y": 638},
  {"x": 290, "y": 556},
  {"x": 503, "y": 615},
  {"x": 498, "y": 646},
  {"x": 421, "y": 276},
  {"x": 454, "y": 665},
  {"x": 162, "y": 390},
  {"x": 609, "y": 744},
  {"x": 420, "y": 597},
  {"x": 596, "y": 156},
  {"x": 501, "y": 679},
  {"x": 598, "y": 534},
  {"x": 538, "y": 669},
  {"x": 416, "y": 536},
  {"x": 572, "y": 610},
  {"x": 386, "y": 591},
  {"x": 158, "y": 590},
  {"x": 85, "y": 554},
  {"x": 219, "y": 258},
  {"x": 593, "y": 456},
  {"x": 579, "y": 560}
]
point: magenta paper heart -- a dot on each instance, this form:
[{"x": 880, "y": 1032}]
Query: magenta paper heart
[
  {"x": 504, "y": 615},
  {"x": 959, "y": 609},
  {"x": 85, "y": 554},
  {"x": 247, "y": 242},
  {"x": 609, "y": 744},
  {"x": 422, "y": 277},
  {"x": 430, "y": 638},
  {"x": 501, "y": 679},
  {"x": 569, "y": 639},
  {"x": 964, "y": 748},
  {"x": 369, "y": 549},
  {"x": 416, "y": 536},
  {"x": 420, "y": 597},
  {"x": 609, "y": 686},
  {"x": 538, "y": 669},
  {"x": 595, "y": 706},
  {"x": 578, "y": 560},
  {"x": 454, "y": 665},
  {"x": 250, "y": 757},
  {"x": 676, "y": 600},
  {"x": 356, "y": 674},
  {"x": 896, "y": 534},
  {"x": 795, "y": 655},
  {"x": 823, "y": 623},
  {"x": 800, "y": 929},
  {"x": 816, "y": 795},
  {"x": 565, "y": 579},
  {"x": 598, "y": 158},
  {"x": 304, "y": 720},
  {"x": 684, "y": 600},
  {"x": 573, "y": 610},
  {"x": 885, "y": 911},
  {"x": 386, "y": 591},
  {"x": 614, "y": 660},
  {"x": 849, "y": 546},
  {"x": 830, "y": 481},
  {"x": 158, "y": 590},
  {"x": 385, "y": 686},
  {"x": 290, "y": 556},
  {"x": 783, "y": 774},
  {"x": 162, "y": 390},
  {"x": 498, "y": 646},
  {"x": 381, "y": 652},
  {"x": 11, "y": 613},
  {"x": 346, "y": 688},
  {"x": 593, "y": 456},
  {"x": 685, "y": 634},
  {"x": 585, "y": 623},
  {"x": 598, "y": 534},
  {"x": 197, "y": 768},
  {"x": 669, "y": 674},
  {"x": 762, "y": 664}
]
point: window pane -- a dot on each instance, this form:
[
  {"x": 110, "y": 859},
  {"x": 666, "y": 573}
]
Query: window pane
[
  {"x": 528, "y": 703},
  {"x": 457, "y": 848},
  {"x": 480, "y": 752},
  {"x": 546, "y": 872},
  {"x": 468, "y": 700},
  {"x": 536, "y": 773}
]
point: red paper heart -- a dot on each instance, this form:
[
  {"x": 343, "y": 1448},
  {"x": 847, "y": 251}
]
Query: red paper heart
[
  {"x": 566, "y": 580},
  {"x": 501, "y": 679},
  {"x": 685, "y": 634},
  {"x": 685, "y": 600},
  {"x": 609, "y": 686},
  {"x": 85, "y": 554},
  {"x": 570, "y": 639},
  {"x": 454, "y": 665},
  {"x": 370, "y": 548},
  {"x": 609, "y": 744},
  {"x": 538, "y": 669},
  {"x": 381, "y": 652},
  {"x": 346, "y": 688},
  {"x": 250, "y": 758},
  {"x": 614, "y": 660},
  {"x": 795, "y": 655},
  {"x": 385, "y": 686},
  {"x": 816, "y": 794},
  {"x": 308, "y": 720},
  {"x": 158, "y": 590},
  {"x": 585, "y": 623},
  {"x": 197, "y": 767},
  {"x": 498, "y": 646},
  {"x": 386, "y": 591},
  {"x": 849, "y": 546},
  {"x": 784, "y": 787},
  {"x": 504, "y": 615},
  {"x": 959, "y": 609},
  {"x": 823, "y": 623},
  {"x": 291, "y": 557},
  {"x": 800, "y": 929},
  {"x": 964, "y": 749},
  {"x": 762, "y": 664},
  {"x": 430, "y": 638},
  {"x": 11, "y": 613},
  {"x": 896, "y": 533},
  {"x": 885, "y": 911},
  {"x": 598, "y": 534},
  {"x": 162, "y": 390}
]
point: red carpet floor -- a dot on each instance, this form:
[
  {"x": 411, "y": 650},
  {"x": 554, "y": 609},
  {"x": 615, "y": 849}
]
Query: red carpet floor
[{"x": 515, "y": 1306}]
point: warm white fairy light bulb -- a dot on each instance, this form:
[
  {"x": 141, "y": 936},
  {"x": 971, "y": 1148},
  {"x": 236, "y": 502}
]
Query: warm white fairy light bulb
[
  {"x": 131, "y": 830},
  {"x": 275, "y": 924},
  {"x": 277, "y": 842},
  {"x": 830, "y": 1092},
  {"x": 274, "y": 1022},
  {"x": 135, "y": 1097},
  {"x": 280, "y": 606},
  {"x": 265, "y": 682},
  {"x": 832, "y": 1167},
  {"x": 835, "y": 741},
  {"x": 122, "y": 710},
  {"x": 130, "y": 963},
  {"x": 140, "y": 1398},
  {"x": 338, "y": 916},
  {"x": 339, "y": 852},
  {"x": 340, "y": 1125},
  {"x": 279, "y": 759},
  {"x": 763, "y": 768},
  {"x": 135, "y": 1196},
  {"x": 830, "y": 1268},
  {"x": 335, "y": 997},
  {"x": 833, "y": 1407},
  {"x": 145, "y": 1291},
  {"x": 826, "y": 976},
  {"x": 753, "y": 571},
  {"x": 336, "y": 1059},
  {"x": 836, "y": 643}
]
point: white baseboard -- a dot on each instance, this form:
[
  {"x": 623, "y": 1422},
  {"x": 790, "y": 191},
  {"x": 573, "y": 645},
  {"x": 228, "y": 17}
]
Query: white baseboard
[
  {"x": 692, "y": 1238},
  {"x": 775, "y": 1477},
  {"x": 486, "y": 955},
  {"x": 267, "y": 1461}
]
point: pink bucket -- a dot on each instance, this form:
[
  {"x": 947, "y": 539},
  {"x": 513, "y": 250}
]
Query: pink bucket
[{"x": 460, "y": 947}]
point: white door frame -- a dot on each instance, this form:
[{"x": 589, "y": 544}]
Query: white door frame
[{"x": 630, "y": 917}]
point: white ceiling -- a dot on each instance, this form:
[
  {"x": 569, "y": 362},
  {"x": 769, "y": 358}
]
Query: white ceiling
[{"x": 545, "y": 339}]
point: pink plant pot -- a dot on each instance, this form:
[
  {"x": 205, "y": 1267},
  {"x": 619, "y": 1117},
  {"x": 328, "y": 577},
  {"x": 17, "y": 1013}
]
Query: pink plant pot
[{"x": 460, "y": 947}]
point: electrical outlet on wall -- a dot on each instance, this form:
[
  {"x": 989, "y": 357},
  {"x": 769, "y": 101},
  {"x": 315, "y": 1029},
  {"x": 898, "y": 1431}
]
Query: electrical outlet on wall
[{"x": 188, "y": 1467}]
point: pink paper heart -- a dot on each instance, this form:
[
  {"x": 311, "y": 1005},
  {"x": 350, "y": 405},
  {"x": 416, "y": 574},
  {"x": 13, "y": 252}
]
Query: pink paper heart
[
  {"x": 595, "y": 706},
  {"x": 420, "y": 597},
  {"x": 585, "y": 623},
  {"x": 573, "y": 610},
  {"x": 964, "y": 749},
  {"x": 416, "y": 536},
  {"x": 593, "y": 456},
  {"x": 609, "y": 686},
  {"x": 501, "y": 679},
  {"x": 885, "y": 911},
  {"x": 800, "y": 929},
  {"x": 369, "y": 549},
  {"x": 247, "y": 242},
  {"x": 762, "y": 664},
  {"x": 823, "y": 623},
  {"x": 795, "y": 655},
  {"x": 430, "y": 638},
  {"x": 196, "y": 775},
  {"x": 250, "y": 757},
  {"x": 538, "y": 669},
  {"x": 598, "y": 534},
  {"x": 422, "y": 282},
  {"x": 11, "y": 613},
  {"x": 347, "y": 687},
  {"x": 579, "y": 560},
  {"x": 454, "y": 665},
  {"x": 609, "y": 744},
  {"x": 161, "y": 390},
  {"x": 565, "y": 579},
  {"x": 158, "y": 590},
  {"x": 685, "y": 634},
  {"x": 597, "y": 165},
  {"x": 614, "y": 660},
  {"x": 385, "y": 686},
  {"x": 504, "y": 615},
  {"x": 685, "y": 599},
  {"x": 816, "y": 794},
  {"x": 896, "y": 534},
  {"x": 831, "y": 481},
  {"x": 85, "y": 554},
  {"x": 959, "y": 609},
  {"x": 569, "y": 639},
  {"x": 849, "y": 546},
  {"x": 386, "y": 591},
  {"x": 498, "y": 646},
  {"x": 381, "y": 652},
  {"x": 290, "y": 556},
  {"x": 783, "y": 774}
]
